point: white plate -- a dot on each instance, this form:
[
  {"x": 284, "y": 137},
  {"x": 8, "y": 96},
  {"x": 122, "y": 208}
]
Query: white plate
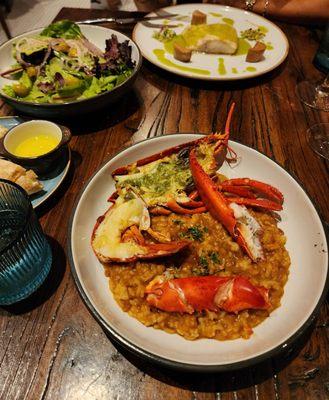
[
  {"x": 236, "y": 66},
  {"x": 306, "y": 243}
]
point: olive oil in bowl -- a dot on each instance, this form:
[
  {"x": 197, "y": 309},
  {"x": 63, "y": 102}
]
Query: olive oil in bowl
[{"x": 35, "y": 146}]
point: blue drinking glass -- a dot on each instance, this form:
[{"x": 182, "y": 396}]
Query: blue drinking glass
[{"x": 25, "y": 254}]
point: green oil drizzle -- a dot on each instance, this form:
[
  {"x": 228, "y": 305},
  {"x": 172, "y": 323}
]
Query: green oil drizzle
[
  {"x": 243, "y": 47},
  {"x": 234, "y": 70},
  {"x": 216, "y": 14},
  {"x": 228, "y": 21},
  {"x": 165, "y": 21},
  {"x": 251, "y": 69},
  {"x": 263, "y": 29},
  {"x": 169, "y": 45},
  {"x": 221, "y": 66},
  {"x": 269, "y": 46},
  {"x": 160, "y": 55}
]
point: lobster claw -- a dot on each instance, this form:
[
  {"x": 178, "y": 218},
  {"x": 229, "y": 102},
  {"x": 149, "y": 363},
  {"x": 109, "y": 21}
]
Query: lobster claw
[
  {"x": 241, "y": 225},
  {"x": 213, "y": 293},
  {"x": 254, "y": 193}
]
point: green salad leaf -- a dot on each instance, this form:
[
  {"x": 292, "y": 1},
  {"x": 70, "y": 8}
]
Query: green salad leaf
[
  {"x": 64, "y": 29},
  {"x": 9, "y": 91},
  {"x": 68, "y": 68}
]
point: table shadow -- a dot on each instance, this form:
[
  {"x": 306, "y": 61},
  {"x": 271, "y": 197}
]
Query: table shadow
[
  {"x": 52, "y": 201},
  {"x": 154, "y": 72},
  {"x": 218, "y": 382},
  {"x": 49, "y": 286},
  {"x": 104, "y": 118}
]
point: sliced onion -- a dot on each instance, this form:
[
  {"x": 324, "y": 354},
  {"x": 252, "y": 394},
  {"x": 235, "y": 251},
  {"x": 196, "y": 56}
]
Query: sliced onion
[
  {"x": 11, "y": 71},
  {"x": 92, "y": 48}
]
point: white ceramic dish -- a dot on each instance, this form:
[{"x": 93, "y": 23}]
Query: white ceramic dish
[
  {"x": 95, "y": 34},
  {"x": 236, "y": 66},
  {"x": 306, "y": 286}
]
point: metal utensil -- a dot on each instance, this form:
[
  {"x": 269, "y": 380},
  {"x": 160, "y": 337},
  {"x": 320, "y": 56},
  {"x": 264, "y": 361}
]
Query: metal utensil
[
  {"x": 125, "y": 21},
  {"x": 150, "y": 25}
]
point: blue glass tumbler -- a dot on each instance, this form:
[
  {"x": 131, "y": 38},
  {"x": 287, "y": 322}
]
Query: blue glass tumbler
[{"x": 25, "y": 254}]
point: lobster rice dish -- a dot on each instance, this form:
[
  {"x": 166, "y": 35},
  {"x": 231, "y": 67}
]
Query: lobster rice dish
[{"x": 190, "y": 251}]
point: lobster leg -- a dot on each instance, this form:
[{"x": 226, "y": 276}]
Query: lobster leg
[
  {"x": 236, "y": 219},
  {"x": 192, "y": 204},
  {"x": 159, "y": 210},
  {"x": 265, "y": 190},
  {"x": 236, "y": 190},
  {"x": 263, "y": 203},
  {"x": 243, "y": 196},
  {"x": 175, "y": 207},
  {"x": 220, "y": 150},
  {"x": 213, "y": 293}
]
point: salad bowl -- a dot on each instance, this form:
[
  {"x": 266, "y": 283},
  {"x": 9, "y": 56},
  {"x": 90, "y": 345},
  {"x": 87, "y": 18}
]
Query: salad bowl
[{"x": 96, "y": 36}]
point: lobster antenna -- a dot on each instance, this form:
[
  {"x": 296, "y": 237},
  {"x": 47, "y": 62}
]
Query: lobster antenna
[
  {"x": 229, "y": 119},
  {"x": 233, "y": 156}
]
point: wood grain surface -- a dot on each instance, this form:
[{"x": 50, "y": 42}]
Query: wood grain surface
[{"x": 50, "y": 345}]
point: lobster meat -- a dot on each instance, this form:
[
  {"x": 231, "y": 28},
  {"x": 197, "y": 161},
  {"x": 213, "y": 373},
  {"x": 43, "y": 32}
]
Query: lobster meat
[
  {"x": 116, "y": 236},
  {"x": 213, "y": 293}
]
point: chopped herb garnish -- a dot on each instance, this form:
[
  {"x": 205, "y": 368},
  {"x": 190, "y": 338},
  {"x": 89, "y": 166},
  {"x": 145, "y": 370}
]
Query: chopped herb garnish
[
  {"x": 214, "y": 257},
  {"x": 202, "y": 268},
  {"x": 203, "y": 262},
  {"x": 252, "y": 34},
  {"x": 164, "y": 35},
  {"x": 194, "y": 233}
]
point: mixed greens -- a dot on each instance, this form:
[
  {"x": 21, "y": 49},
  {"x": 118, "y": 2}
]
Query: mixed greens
[
  {"x": 61, "y": 65},
  {"x": 252, "y": 34},
  {"x": 164, "y": 35}
]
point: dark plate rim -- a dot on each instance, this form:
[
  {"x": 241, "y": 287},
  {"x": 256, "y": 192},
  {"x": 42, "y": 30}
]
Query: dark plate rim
[
  {"x": 117, "y": 337},
  {"x": 82, "y": 101}
]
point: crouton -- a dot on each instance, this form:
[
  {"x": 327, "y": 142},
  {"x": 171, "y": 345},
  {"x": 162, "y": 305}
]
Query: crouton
[
  {"x": 182, "y": 53},
  {"x": 256, "y": 53},
  {"x": 198, "y": 18}
]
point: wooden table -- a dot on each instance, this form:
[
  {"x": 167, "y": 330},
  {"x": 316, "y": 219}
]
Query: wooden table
[{"x": 50, "y": 345}]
